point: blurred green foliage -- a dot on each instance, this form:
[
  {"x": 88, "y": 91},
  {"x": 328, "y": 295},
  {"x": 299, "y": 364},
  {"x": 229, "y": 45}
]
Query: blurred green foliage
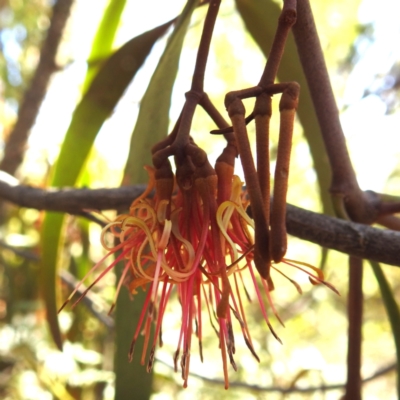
[{"x": 23, "y": 24}]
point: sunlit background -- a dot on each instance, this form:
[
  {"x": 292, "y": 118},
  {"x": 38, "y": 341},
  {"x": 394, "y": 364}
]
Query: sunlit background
[{"x": 360, "y": 40}]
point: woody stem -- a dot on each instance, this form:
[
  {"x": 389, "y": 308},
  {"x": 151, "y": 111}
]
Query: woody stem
[
  {"x": 286, "y": 20},
  {"x": 344, "y": 182},
  {"x": 287, "y": 107},
  {"x": 204, "y": 47},
  {"x": 261, "y": 252},
  {"x": 193, "y": 97},
  {"x": 355, "y": 312}
]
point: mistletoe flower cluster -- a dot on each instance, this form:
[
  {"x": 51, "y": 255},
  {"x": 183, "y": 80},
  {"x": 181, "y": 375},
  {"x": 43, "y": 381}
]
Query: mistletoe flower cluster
[{"x": 190, "y": 233}]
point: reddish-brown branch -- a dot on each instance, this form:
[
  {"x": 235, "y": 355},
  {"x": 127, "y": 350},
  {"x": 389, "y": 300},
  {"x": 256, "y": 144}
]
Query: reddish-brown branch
[
  {"x": 286, "y": 20},
  {"x": 287, "y": 108},
  {"x": 212, "y": 111},
  {"x": 195, "y": 95},
  {"x": 204, "y": 47},
  {"x": 262, "y": 257},
  {"x": 389, "y": 221},
  {"x": 355, "y": 316},
  {"x": 313, "y": 62},
  {"x": 347, "y": 237},
  {"x": 15, "y": 147},
  {"x": 344, "y": 185},
  {"x": 389, "y": 208},
  {"x": 262, "y": 117}
]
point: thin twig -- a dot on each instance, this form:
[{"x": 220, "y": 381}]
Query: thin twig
[
  {"x": 94, "y": 302},
  {"x": 29, "y": 108},
  {"x": 285, "y": 22},
  {"x": 355, "y": 316},
  {"x": 204, "y": 47},
  {"x": 389, "y": 221},
  {"x": 194, "y": 96},
  {"x": 278, "y": 389}
]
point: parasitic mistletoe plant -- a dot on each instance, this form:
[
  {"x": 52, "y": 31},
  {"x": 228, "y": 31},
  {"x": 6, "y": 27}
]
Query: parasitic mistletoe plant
[{"x": 196, "y": 231}]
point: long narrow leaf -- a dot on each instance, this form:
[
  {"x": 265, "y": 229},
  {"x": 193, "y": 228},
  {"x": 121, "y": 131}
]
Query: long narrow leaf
[
  {"x": 99, "y": 101},
  {"x": 108, "y": 26},
  {"x": 101, "y": 49},
  {"x": 104, "y": 39},
  {"x": 151, "y": 126},
  {"x": 153, "y": 118},
  {"x": 94, "y": 108},
  {"x": 393, "y": 312}
]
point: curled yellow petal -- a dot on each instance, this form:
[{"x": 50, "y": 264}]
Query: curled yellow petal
[
  {"x": 163, "y": 242},
  {"x": 223, "y": 223},
  {"x": 188, "y": 246},
  {"x": 162, "y": 211}
]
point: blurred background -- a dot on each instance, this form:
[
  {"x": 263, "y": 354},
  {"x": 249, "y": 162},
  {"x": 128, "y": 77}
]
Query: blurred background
[{"x": 359, "y": 39}]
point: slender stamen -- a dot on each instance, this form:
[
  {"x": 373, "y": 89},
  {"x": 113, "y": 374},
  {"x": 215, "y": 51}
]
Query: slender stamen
[
  {"x": 319, "y": 278},
  {"x": 260, "y": 301},
  {"x": 120, "y": 282},
  {"x": 139, "y": 325}
]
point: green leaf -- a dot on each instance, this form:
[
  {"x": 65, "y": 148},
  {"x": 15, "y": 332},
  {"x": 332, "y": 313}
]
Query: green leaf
[
  {"x": 101, "y": 49},
  {"x": 261, "y": 19},
  {"x": 104, "y": 39},
  {"x": 151, "y": 126},
  {"x": 50, "y": 244},
  {"x": 94, "y": 108},
  {"x": 153, "y": 119},
  {"x": 393, "y": 312},
  {"x": 99, "y": 101}
]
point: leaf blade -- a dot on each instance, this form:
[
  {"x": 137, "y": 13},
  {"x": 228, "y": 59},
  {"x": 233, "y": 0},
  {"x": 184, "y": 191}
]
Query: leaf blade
[
  {"x": 104, "y": 38},
  {"x": 87, "y": 120},
  {"x": 392, "y": 310},
  {"x": 153, "y": 118},
  {"x": 99, "y": 101}
]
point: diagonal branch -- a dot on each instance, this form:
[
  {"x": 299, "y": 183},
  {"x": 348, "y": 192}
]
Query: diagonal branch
[
  {"x": 345, "y": 236},
  {"x": 316, "y": 72},
  {"x": 355, "y": 305},
  {"x": 93, "y": 301},
  {"x": 29, "y": 108},
  {"x": 292, "y": 389},
  {"x": 346, "y": 193}
]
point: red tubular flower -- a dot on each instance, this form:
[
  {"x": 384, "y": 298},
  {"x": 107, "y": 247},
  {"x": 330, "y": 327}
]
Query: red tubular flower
[{"x": 193, "y": 236}]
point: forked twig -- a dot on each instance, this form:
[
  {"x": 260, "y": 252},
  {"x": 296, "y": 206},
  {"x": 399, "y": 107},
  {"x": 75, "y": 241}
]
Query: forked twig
[{"x": 268, "y": 245}]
